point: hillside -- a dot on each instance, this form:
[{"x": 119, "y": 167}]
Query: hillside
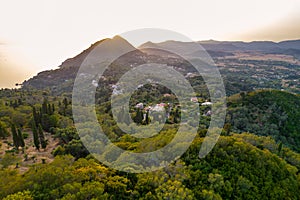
[
  {"x": 267, "y": 113},
  {"x": 256, "y": 157},
  {"x": 241, "y": 166},
  {"x": 283, "y": 47},
  {"x": 291, "y": 47},
  {"x": 61, "y": 80},
  {"x": 243, "y": 66}
]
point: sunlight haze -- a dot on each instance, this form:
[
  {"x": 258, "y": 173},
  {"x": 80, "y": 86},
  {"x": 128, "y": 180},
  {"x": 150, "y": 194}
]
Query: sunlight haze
[{"x": 40, "y": 35}]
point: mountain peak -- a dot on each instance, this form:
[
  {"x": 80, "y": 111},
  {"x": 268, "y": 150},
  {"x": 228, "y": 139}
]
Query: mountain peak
[
  {"x": 103, "y": 48},
  {"x": 148, "y": 44},
  {"x": 117, "y": 37}
]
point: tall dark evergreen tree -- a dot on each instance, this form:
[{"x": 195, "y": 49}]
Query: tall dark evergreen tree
[
  {"x": 42, "y": 137},
  {"x": 147, "y": 119},
  {"x": 21, "y": 138},
  {"x": 35, "y": 115},
  {"x": 20, "y": 102},
  {"x": 139, "y": 116},
  {"x": 53, "y": 108},
  {"x": 35, "y": 136},
  {"x": 177, "y": 116},
  {"x": 65, "y": 102},
  {"x": 45, "y": 107},
  {"x": 279, "y": 148},
  {"x": 15, "y": 136},
  {"x": 49, "y": 109},
  {"x": 40, "y": 114}
]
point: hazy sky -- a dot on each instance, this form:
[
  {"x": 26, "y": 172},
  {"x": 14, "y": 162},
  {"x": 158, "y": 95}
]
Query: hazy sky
[{"x": 40, "y": 34}]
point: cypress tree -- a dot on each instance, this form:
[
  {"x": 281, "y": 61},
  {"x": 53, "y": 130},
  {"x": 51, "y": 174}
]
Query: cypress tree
[
  {"x": 15, "y": 136},
  {"x": 279, "y": 148},
  {"x": 35, "y": 136},
  {"x": 35, "y": 115},
  {"x": 45, "y": 107},
  {"x": 49, "y": 110},
  {"x": 177, "y": 116},
  {"x": 21, "y": 138},
  {"x": 65, "y": 102},
  {"x": 53, "y": 108},
  {"x": 2, "y": 135},
  {"x": 42, "y": 137},
  {"x": 20, "y": 102},
  {"x": 139, "y": 116},
  {"x": 147, "y": 120},
  {"x": 15, "y": 103},
  {"x": 40, "y": 114}
]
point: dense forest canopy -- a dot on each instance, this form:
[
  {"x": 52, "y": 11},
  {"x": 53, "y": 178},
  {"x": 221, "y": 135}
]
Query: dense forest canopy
[{"x": 241, "y": 166}]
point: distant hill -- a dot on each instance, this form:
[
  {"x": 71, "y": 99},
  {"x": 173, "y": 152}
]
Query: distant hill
[
  {"x": 254, "y": 45},
  {"x": 190, "y": 48},
  {"x": 290, "y": 44},
  {"x": 61, "y": 80},
  {"x": 227, "y": 46},
  {"x": 291, "y": 47}
]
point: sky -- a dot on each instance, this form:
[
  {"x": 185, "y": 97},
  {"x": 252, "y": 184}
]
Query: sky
[{"x": 37, "y": 35}]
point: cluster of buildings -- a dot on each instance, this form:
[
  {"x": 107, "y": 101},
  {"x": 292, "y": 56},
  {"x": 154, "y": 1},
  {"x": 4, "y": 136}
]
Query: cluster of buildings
[{"x": 167, "y": 107}]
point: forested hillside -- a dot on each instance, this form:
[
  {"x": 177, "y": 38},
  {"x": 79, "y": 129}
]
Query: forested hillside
[
  {"x": 42, "y": 154},
  {"x": 267, "y": 113},
  {"x": 241, "y": 166}
]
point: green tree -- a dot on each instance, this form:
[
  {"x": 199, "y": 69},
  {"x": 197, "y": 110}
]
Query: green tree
[
  {"x": 45, "y": 107},
  {"x": 36, "y": 117},
  {"x": 279, "y": 148},
  {"x": 9, "y": 159},
  {"x": 65, "y": 102},
  {"x": 139, "y": 116},
  {"x": 210, "y": 195},
  {"x": 227, "y": 128},
  {"x": 21, "y": 138},
  {"x": 147, "y": 119},
  {"x": 173, "y": 190},
  {"x": 36, "y": 140},
  {"x": 15, "y": 136},
  {"x": 43, "y": 142},
  {"x": 3, "y": 132},
  {"x": 25, "y": 195}
]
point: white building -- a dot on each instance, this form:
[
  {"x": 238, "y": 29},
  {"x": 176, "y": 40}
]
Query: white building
[{"x": 206, "y": 103}]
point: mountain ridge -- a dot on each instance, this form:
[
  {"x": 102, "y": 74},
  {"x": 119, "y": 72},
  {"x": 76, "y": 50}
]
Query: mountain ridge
[
  {"x": 110, "y": 44},
  {"x": 67, "y": 71}
]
